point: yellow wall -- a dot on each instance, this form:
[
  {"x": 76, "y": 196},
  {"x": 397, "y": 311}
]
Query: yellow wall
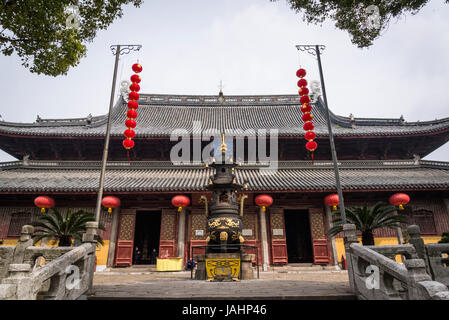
[
  {"x": 101, "y": 252},
  {"x": 379, "y": 242}
]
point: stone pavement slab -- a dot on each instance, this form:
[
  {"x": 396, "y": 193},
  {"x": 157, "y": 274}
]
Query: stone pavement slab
[{"x": 178, "y": 285}]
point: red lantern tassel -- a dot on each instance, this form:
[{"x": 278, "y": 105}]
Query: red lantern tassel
[
  {"x": 312, "y": 157},
  {"x": 127, "y": 154}
]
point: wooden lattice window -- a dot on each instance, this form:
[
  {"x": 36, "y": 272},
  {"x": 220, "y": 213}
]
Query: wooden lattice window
[
  {"x": 423, "y": 219},
  {"x": 18, "y": 220}
]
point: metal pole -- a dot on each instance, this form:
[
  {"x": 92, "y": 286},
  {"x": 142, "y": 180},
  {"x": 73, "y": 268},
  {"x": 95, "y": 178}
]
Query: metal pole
[
  {"x": 331, "y": 140},
  {"x": 106, "y": 143}
]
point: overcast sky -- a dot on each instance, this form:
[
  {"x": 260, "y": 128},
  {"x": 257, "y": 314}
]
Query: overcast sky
[{"x": 189, "y": 46}]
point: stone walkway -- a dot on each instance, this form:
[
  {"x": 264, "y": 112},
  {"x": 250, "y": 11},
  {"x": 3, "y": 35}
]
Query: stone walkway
[{"x": 177, "y": 285}]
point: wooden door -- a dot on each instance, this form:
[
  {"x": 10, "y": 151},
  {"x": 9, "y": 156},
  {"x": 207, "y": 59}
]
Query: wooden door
[
  {"x": 320, "y": 244},
  {"x": 278, "y": 240},
  {"x": 125, "y": 241},
  {"x": 168, "y": 237}
]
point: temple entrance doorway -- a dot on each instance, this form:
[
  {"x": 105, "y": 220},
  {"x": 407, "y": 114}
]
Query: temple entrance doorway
[
  {"x": 298, "y": 236},
  {"x": 146, "y": 236}
]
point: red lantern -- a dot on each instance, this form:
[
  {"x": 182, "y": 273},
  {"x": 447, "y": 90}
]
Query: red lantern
[
  {"x": 131, "y": 114},
  {"x": 311, "y": 146},
  {"x": 306, "y": 108},
  {"x": 308, "y": 126},
  {"x": 332, "y": 200},
  {"x": 110, "y": 202},
  {"x": 44, "y": 202},
  {"x": 130, "y": 123},
  {"x": 137, "y": 68},
  {"x": 133, "y": 96},
  {"x": 180, "y": 201},
  {"x": 133, "y": 104},
  {"x": 399, "y": 199},
  {"x": 128, "y": 143},
  {"x": 302, "y": 83},
  {"x": 310, "y": 135},
  {"x": 307, "y": 117},
  {"x": 302, "y": 100},
  {"x": 263, "y": 200},
  {"x": 135, "y": 78},
  {"x": 129, "y": 133},
  {"x": 134, "y": 87},
  {"x": 303, "y": 91},
  {"x": 301, "y": 73}
]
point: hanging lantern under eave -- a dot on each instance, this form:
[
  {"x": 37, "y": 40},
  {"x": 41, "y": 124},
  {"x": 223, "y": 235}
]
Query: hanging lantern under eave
[
  {"x": 263, "y": 201},
  {"x": 110, "y": 202},
  {"x": 180, "y": 201},
  {"x": 332, "y": 200},
  {"x": 399, "y": 199},
  {"x": 44, "y": 202}
]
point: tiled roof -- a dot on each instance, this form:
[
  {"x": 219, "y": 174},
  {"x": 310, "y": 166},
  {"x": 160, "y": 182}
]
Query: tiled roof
[
  {"x": 160, "y": 114},
  {"x": 72, "y": 176}
]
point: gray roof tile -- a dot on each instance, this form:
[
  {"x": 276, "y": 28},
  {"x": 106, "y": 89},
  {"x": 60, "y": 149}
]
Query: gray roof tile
[
  {"x": 67, "y": 176},
  {"x": 160, "y": 114}
]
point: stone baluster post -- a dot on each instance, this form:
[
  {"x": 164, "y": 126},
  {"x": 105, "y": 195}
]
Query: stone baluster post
[
  {"x": 18, "y": 271},
  {"x": 90, "y": 237},
  {"x": 416, "y": 240},
  {"x": 350, "y": 237}
]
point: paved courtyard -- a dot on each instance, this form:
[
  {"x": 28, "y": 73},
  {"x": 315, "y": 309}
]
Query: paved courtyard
[{"x": 178, "y": 285}]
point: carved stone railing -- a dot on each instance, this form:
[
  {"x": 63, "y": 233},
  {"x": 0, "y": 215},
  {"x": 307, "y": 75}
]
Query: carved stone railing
[
  {"x": 374, "y": 276},
  {"x": 67, "y": 273}
]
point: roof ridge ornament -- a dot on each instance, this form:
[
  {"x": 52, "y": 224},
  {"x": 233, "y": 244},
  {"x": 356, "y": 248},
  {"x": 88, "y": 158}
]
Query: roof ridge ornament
[{"x": 221, "y": 97}]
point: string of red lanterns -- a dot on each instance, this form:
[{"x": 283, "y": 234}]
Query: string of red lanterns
[
  {"x": 306, "y": 109},
  {"x": 133, "y": 96}
]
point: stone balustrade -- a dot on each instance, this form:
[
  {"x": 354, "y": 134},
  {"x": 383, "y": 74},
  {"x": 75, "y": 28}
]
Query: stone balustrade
[
  {"x": 375, "y": 275},
  {"x": 67, "y": 272}
]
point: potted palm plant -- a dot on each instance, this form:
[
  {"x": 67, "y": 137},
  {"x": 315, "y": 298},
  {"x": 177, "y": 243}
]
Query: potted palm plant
[
  {"x": 367, "y": 219},
  {"x": 64, "y": 229}
]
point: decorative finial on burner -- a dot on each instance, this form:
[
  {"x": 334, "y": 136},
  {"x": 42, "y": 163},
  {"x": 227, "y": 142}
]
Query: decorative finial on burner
[{"x": 224, "y": 147}]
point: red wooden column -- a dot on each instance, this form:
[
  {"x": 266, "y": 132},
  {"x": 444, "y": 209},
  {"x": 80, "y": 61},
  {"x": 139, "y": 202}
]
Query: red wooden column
[
  {"x": 168, "y": 238},
  {"x": 320, "y": 243},
  {"x": 278, "y": 240},
  {"x": 125, "y": 239}
]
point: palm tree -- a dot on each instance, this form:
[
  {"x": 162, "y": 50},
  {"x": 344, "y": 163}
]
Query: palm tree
[
  {"x": 367, "y": 219},
  {"x": 63, "y": 229}
]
